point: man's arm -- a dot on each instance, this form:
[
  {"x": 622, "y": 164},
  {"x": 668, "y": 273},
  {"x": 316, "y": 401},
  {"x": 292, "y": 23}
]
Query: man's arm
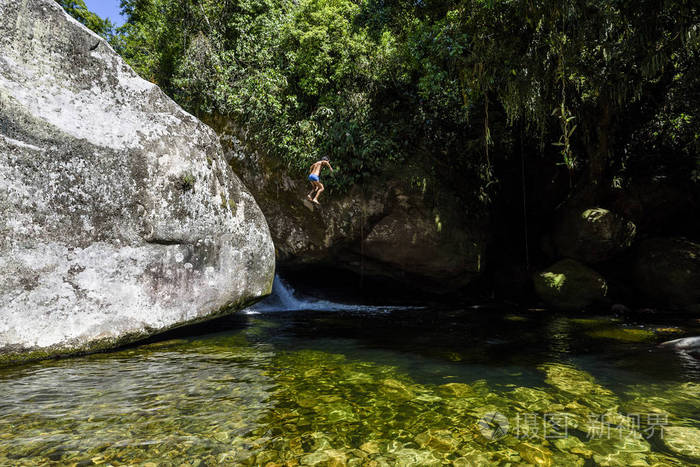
[{"x": 329, "y": 165}]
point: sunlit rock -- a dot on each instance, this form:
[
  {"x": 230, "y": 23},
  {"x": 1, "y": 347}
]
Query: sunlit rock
[
  {"x": 575, "y": 382},
  {"x": 683, "y": 440},
  {"x": 535, "y": 454},
  {"x": 439, "y": 440},
  {"x": 120, "y": 216}
]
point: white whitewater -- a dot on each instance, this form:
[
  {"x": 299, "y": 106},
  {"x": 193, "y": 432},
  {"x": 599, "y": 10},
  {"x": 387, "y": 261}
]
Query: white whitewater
[{"x": 284, "y": 298}]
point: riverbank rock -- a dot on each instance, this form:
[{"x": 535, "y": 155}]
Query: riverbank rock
[
  {"x": 120, "y": 216},
  {"x": 593, "y": 235},
  {"x": 569, "y": 285},
  {"x": 414, "y": 240},
  {"x": 685, "y": 343},
  {"x": 660, "y": 206},
  {"x": 667, "y": 271},
  {"x": 386, "y": 228}
]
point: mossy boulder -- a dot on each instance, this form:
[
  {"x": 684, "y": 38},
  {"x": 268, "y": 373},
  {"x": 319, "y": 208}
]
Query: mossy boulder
[
  {"x": 593, "y": 235},
  {"x": 569, "y": 285},
  {"x": 667, "y": 272}
]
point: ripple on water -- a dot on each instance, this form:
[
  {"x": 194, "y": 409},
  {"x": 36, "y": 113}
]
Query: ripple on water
[{"x": 270, "y": 393}]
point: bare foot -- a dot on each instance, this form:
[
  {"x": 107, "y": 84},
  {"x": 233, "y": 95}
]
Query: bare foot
[
  {"x": 309, "y": 197},
  {"x": 315, "y": 202}
]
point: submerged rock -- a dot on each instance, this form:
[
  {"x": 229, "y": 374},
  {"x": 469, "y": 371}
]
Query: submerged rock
[
  {"x": 622, "y": 334},
  {"x": 667, "y": 271},
  {"x": 439, "y": 440},
  {"x": 620, "y": 450},
  {"x": 121, "y": 217},
  {"x": 569, "y": 285},
  {"x": 683, "y": 440},
  {"x": 576, "y": 382},
  {"x": 534, "y": 454},
  {"x": 593, "y": 235}
]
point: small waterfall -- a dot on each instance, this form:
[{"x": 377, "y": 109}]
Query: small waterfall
[
  {"x": 281, "y": 299},
  {"x": 284, "y": 298}
]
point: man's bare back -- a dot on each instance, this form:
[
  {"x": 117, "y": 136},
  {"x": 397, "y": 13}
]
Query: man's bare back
[{"x": 316, "y": 168}]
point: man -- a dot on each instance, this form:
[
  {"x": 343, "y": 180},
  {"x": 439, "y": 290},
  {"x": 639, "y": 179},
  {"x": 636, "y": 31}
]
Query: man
[{"x": 314, "y": 174}]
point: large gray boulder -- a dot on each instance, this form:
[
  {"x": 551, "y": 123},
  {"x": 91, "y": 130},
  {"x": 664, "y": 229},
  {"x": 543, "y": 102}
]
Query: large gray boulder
[{"x": 120, "y": 217}]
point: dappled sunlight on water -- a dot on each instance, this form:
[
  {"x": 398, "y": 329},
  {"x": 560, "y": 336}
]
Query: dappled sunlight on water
[{"x": 413, "y": 388}]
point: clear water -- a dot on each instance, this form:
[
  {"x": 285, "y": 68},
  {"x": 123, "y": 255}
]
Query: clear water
[{"x": 397, "y": 387}]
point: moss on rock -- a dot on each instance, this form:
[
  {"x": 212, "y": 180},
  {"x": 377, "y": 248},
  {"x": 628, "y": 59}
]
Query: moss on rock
[{"x": 569, "y": 285}]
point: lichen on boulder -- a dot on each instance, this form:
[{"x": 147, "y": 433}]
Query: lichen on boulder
[
  {"x": 113, "y": 225},
  {"x": 569, "y": 285}
]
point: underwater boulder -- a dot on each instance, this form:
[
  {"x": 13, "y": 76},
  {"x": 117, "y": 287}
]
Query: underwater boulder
[
  {"x": 683, "y": 441},
  {"x": 120, "y": 216},
  {"x": 569, "y": 285}
]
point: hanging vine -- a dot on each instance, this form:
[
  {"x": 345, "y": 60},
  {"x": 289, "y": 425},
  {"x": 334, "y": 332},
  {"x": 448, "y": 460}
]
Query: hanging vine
[{"x": 565, "y": 116}]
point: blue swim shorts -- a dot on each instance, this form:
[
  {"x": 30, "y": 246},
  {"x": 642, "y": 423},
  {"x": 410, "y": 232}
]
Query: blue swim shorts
[{"x": 313, "y": 178}]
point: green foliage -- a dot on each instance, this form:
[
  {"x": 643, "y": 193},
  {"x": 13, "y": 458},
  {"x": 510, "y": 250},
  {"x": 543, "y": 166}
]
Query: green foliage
[
  {"x": 187, "y": 182},
  {"x": 78, "y": 10},
  {"x": 441, "y": 84}
]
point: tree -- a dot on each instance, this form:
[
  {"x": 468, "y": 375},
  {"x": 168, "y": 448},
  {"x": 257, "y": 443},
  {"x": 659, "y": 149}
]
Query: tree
[
  {"x": 78, "y": 10},
  {"x": 450, "y": 84}
]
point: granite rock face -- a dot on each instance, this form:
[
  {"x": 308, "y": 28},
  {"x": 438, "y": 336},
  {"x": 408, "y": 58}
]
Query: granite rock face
[{"x": 120, "y": 217}]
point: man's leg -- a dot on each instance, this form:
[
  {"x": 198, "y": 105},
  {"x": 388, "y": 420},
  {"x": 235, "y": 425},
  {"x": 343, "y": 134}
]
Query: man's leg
[
  {"x": 319, "y": 190},
  {"x": 313, "y": 190}
]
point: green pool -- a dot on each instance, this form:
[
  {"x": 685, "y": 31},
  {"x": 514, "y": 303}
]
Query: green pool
[{"x": 402, "y": 387}]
